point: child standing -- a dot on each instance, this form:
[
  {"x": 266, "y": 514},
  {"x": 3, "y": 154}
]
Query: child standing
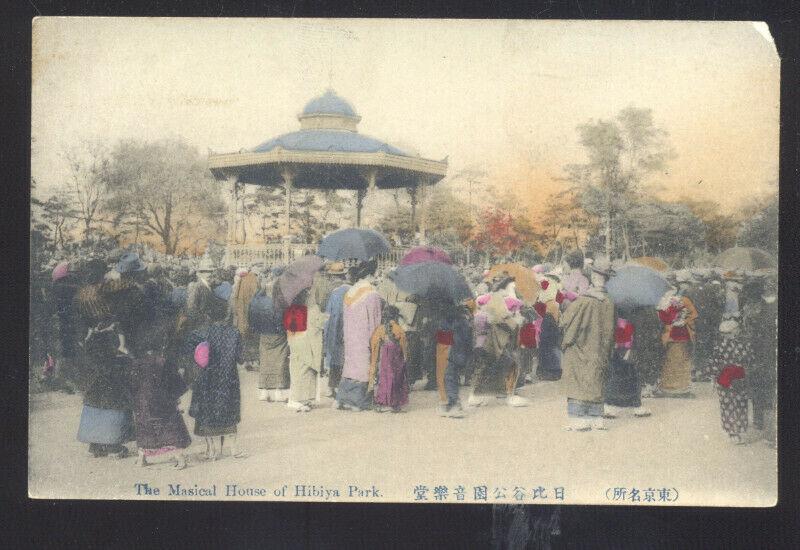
[
  {"x": 388, "y": 346},
  {"x": 732, "y": 358},
  {"x": 216, "y": 399}
]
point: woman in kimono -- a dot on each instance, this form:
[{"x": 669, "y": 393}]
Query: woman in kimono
[
  {"x": 731, "y": 364},
  {"x": 216, "y": 397},
  {"x": 496, "y": 367},
  {"x": 333, "y": 338},
  {"x": 266, "y": 319},
  {"x": 388, "y": 355},
  {"x": 548, "y": 308},
  {"x": 361, "y": 316},
  {"x": 157, "y": 389},
  {"x": 106, "y": 416},
  {"x": 304, "y": 323},
  {"x": 623, "y": 389},
  {"x": 678, "y": 314}
]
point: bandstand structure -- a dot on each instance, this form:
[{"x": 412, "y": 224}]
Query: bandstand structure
[{"x": 327, "y": 152}]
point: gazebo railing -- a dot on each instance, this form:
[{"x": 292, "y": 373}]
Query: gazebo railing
[{"x": 272, "y": 254}]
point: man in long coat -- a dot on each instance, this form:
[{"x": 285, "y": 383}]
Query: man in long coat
[{"x": 588, "y": 335}]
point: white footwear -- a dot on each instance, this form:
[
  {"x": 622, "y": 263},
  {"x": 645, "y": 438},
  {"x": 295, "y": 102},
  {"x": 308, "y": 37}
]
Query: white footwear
[
  {"x": 263, "y": 395},
  {"x": 297, "y": 406},
  {"x": 475, "y": 401},
  {"x": 517, "y": 401},
  {"x": 641, "y": 412},
  {"x": 597, "y": 424},
  {"x": 180, "y": 462},
  {"x": 578, "y": 425},
  {"x": 611, "y": 411},
  {"x": 281, "y": 396}
]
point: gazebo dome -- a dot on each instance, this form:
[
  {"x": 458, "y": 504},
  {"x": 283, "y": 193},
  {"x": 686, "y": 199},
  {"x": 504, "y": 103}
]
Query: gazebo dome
[
  {"x": 329, "y": 104},
  {"x": 328, "y": 112}
]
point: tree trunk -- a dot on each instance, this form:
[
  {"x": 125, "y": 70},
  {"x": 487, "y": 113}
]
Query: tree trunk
[
  {"x": 608, "y": 236},
  {"x": 167, "y": 232},
  {"x": 627, "y": 243}
]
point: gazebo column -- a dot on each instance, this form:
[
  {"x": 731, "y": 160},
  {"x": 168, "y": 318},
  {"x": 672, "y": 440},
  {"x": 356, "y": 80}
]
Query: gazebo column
[
  {"x": 287, "y": 213},
  {"x": 360, "y": 193},
  {"x": 232, "y": 188},
  {"x": 423, "y": 212},
  {"x": 368, "y": 202},
  {"x": 412, "y": 191}
]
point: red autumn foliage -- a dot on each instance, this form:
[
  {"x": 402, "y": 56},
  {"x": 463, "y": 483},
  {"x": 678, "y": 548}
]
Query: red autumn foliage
[{"x": 496, "y": 234}]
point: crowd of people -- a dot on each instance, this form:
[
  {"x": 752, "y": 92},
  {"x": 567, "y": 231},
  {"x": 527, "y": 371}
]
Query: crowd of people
[{"x": 134, "y": 338}]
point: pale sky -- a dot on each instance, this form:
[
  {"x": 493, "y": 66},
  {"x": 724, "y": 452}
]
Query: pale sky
[{"x": 502, "y": 96}]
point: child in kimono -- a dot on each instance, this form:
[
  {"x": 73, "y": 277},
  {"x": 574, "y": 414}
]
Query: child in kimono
[
  {"x": 732, "y": 358},
  {"x": 388, "y": 356}
]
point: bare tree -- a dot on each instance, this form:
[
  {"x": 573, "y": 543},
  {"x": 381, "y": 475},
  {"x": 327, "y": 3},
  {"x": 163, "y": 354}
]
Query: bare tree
[
  {"x": 87, "y": 185},
  {"x": 163, "y": 186}
]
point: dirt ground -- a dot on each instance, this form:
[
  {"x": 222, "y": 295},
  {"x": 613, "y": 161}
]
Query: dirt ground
[{"x": 369, "y": 456}]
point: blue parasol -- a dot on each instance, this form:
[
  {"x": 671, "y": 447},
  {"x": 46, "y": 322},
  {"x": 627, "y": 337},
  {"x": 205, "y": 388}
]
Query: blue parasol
[
  {"x": 635, "y": 286},
  {"x": 432, "y": 281},
  {"x": 353, "y": 244}
]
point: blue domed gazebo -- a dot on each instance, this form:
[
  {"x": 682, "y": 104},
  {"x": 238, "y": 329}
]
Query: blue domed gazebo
[{"x": 327, "y": 152}]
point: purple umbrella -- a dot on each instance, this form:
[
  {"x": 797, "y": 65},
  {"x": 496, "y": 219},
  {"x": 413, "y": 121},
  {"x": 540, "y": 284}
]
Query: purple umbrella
[
  {"x": 421, "y": 254},
  {"x": 297, "y": 277}
]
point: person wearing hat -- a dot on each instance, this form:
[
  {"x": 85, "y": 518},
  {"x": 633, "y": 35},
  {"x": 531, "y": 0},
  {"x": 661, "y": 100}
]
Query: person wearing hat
[
  {"x": 126, "y": 297},
  {"x": 759, "y": 305},
  {"x": 245, "y": 287},
  {"x": 106, "y": 421},
  {"x": 678, "y": 315},
  {"x": 588, "y": 336},
  {"x": 731, "y": 363},
  {"x": 333, "y": 337},
  {"x": 216, "y": 396}
]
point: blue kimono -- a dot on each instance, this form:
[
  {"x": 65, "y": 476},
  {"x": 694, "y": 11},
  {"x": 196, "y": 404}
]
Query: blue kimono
[{"x": 333, "y": 338}]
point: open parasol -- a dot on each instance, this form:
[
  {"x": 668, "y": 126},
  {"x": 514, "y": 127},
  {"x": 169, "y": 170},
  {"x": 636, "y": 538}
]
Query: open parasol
[
  {"x": 353, "y": 244},
  {"x": 420, "y": 254},
  {"x": 656, "y": 264},
  {"x": 745, "y": 259},
  {"x": 636, "y": 285},
  {"x": 297, "y": 277},
  {"x": 524, "y": 279},
  {"x": 432, "y": 281}
]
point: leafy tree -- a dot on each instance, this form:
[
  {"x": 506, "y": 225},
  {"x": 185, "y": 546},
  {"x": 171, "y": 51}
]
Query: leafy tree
[
  {"x": 668, "y": 229},
  {"x": 761, "y": 230},
  {"x": 565, "y": 219},
  {"x": 58, "y": 219},
  {"x": 164, "y": 189},
  {"x": 720, "y": 228},
  {"x": 496, "y": 235},
  {"x": 622, "y": 154}
]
